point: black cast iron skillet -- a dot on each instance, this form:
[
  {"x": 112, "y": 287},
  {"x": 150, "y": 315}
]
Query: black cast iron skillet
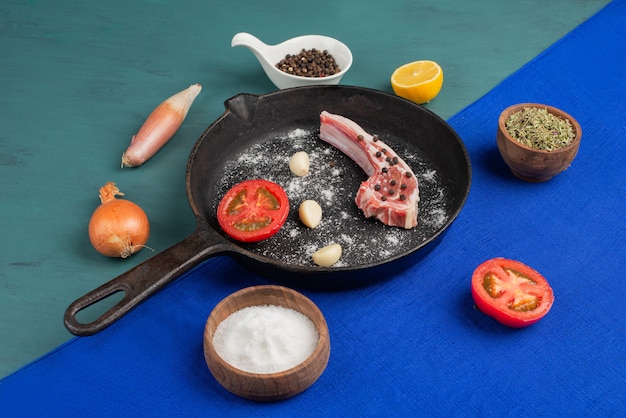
[{"x": 255, "y": 137}]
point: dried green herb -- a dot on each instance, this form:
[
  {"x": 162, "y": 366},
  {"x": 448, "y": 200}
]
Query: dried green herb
[{"x": 537, "y": 128}]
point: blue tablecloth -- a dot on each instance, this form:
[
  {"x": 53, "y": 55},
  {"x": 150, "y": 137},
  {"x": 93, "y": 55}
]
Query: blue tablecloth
[{"x": 415, "y": 344}]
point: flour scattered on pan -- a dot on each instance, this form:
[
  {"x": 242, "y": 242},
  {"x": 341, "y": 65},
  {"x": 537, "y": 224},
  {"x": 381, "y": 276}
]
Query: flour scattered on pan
[{"x": 332, "y": 181}]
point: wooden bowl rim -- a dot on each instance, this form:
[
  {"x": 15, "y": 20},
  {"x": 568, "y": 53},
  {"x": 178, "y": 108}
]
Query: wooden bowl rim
[
  {"x": 320, "y": 324},
  {"x": 504, "y": 115}
]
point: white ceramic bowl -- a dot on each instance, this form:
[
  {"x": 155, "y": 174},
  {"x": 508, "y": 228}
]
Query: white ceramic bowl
[{"x": 270, "y": 55}]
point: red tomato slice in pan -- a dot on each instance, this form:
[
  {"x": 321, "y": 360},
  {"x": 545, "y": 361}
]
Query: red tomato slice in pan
[
  {"x": 511, "y": 292},
  {"x": 253, "y": 210}
]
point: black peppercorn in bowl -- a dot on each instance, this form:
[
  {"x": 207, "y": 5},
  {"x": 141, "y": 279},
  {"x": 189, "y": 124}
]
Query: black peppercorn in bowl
[{"x": 301, "y": 61}]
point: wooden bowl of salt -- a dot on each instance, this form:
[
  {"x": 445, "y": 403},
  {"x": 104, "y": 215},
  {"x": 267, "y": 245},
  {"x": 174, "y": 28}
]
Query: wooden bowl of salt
[{"x": 266, "y": 343}]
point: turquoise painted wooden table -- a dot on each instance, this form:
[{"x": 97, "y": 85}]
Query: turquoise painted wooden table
[{"x": 78, "y": 79}]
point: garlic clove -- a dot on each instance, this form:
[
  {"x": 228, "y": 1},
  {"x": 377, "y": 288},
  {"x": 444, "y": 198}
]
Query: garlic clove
[
  {"x": 310, "y": 213},
  {"x": 328, "y": 255},
  {"x": 299, "y": 163}
]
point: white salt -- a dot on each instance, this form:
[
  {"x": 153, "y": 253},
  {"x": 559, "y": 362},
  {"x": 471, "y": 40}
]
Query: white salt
[
  {"x": 297, "y": 133},
  {"x": 265, "y": 339},
  {"x": 347, "y": 239},
  {"x": 328, "y": 196},
  {"x": 429, "y": 175},
  {"x": 393, "y": 240}
]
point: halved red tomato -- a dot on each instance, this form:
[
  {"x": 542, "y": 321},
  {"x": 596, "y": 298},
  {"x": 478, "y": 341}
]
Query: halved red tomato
[
  {"x": 511, "y": 292},
  {"x": 253, "y": 210}
]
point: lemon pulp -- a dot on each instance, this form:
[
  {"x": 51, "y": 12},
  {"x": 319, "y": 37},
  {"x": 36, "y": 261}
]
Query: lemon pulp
[{"x": 418, "y": 81}]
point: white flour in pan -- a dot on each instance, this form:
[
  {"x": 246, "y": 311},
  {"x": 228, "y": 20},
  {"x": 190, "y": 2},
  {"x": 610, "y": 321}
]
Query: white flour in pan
[{"x": 332, "y": 181}]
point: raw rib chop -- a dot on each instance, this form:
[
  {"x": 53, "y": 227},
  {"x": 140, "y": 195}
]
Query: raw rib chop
[{"x": 391, "y": 193}]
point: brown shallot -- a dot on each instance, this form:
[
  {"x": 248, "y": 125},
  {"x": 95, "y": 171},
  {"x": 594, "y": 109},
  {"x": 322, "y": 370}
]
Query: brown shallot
[
  {"x": 160, "y": 127},
  {"x": 118, "y": 227}
]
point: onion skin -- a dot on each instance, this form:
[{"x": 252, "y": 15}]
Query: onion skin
[
  {"x": 160, "y": 127},
  {"x": 118, "y": 227}
]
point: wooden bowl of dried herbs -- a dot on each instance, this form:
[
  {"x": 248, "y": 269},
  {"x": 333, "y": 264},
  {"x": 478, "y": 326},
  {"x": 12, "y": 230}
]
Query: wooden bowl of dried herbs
[
  {"x": 537, "y": 141},
  {"x": 266, "y": 343}
]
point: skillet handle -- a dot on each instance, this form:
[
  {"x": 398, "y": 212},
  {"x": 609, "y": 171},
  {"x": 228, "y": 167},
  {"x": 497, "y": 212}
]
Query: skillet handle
[{"x": 144, "y": 280}]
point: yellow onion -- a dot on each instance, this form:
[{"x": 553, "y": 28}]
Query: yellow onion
[{"x": 118, "y": 227}]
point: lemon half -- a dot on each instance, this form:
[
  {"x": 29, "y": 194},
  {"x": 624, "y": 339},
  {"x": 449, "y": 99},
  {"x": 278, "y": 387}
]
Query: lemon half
[{"x": 418, "y": 81}]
